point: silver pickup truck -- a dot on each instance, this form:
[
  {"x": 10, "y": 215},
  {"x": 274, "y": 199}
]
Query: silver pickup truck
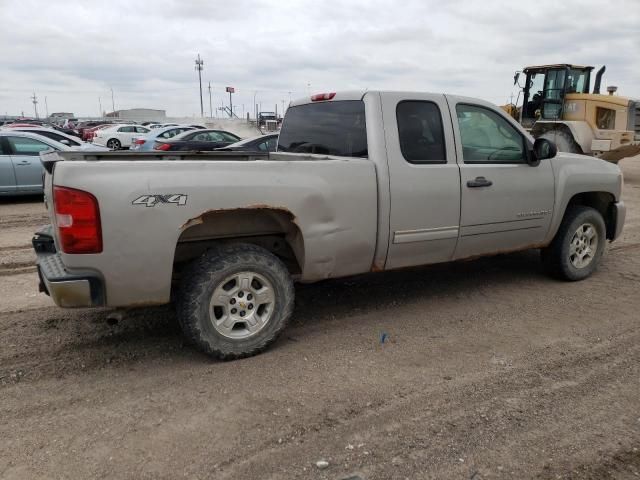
[{"x": 362, "y": 182}]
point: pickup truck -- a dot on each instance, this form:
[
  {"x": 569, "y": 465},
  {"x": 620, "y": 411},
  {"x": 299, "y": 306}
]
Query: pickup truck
[{"x": 361, "y": 182}]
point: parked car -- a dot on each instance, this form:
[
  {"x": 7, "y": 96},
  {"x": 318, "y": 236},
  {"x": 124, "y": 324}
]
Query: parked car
[
  {"x": 198, "y": 140},
  {"x": 118, "y": 136},
  {"x": 89, "y": 133},
  {"x": 68, "y": 140},
  {"x": 147, "y": 142},
  {"x": 362, "y": 181},
  {"x": 260, "y": 143},
  {"x": 21, "y": 171},
  {"x": 82, "y": 126}
]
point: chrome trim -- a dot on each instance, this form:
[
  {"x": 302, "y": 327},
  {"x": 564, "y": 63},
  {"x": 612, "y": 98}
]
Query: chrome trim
[
  {"x": 70, "y": 293},
  {"x": 425, "y": 234}
]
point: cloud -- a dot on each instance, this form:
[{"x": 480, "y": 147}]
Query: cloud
[{"x": 74, "y": 52}]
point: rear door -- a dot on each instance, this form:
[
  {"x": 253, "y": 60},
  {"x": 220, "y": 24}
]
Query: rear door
[
  {"x": 506, "y": 203},
  {"x": 424, "y": 178},
  {"x": 25, "y": 154},
  {"x": 7, "y": 174}
]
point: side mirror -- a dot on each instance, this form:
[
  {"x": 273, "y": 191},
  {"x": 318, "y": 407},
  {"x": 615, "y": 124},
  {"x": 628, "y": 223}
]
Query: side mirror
[
  {"x": 543, "y": 149},
  {"x": 516, "y": 77},
  {"x": 66, "y": 142}
]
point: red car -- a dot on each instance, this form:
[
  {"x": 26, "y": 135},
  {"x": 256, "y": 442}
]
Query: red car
[{"x": 89, "y": 133}]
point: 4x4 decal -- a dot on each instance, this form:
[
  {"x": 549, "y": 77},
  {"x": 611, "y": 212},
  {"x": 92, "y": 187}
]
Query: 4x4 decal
[{"x": 153, "y": 200}]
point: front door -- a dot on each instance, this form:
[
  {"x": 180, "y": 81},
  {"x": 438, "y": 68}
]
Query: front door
[
  {"x": 7, "y": 174},
  {"x": 506, "y": 203},
  {"x": 424, "y": 180}
]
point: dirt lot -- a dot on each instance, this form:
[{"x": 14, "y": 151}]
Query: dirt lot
[{"x": 491, "y": 370}]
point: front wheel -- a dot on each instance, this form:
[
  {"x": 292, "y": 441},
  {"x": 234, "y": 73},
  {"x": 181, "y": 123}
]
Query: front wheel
[
  {"x": 578, "y": 246},
  {"x": 235, "y": 300}
]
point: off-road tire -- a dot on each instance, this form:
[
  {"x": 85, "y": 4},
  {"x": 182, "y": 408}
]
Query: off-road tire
[
  {"x": 556, "y": 257},
  {"x": 563, "y": 141},
  {"x": 206, "y": 273}
]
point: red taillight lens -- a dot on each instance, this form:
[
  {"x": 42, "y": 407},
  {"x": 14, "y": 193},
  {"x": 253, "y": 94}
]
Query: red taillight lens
[
  {"x": 139, "y": 141},
  {"x": 322, "y": 96},
  {"x": 78, "y": 220},
  {"x": 162, "y": 146}
]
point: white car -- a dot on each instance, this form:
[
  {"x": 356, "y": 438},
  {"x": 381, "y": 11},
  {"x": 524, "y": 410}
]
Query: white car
[
  {"x": 65, "y": 139},
  {"x": 118, "y": 136}
]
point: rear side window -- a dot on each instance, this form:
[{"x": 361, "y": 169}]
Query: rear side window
[
  {"x": 329, "y": 128},
  {"x": 420, "y": 132}
]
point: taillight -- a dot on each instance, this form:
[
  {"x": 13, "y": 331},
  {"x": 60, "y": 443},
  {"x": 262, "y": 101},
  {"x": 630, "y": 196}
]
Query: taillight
[
  {"x": 162, "y": 146},
  {"x": 139, "y": 141},
  {"x": 322, "y": 96},
  {"x": 78, "y": 220}
]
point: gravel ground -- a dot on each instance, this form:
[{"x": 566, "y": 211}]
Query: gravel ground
[{"x": 490, "y": 370}]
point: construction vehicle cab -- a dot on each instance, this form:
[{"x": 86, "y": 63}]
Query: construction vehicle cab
[
  {"x": 557, "y": 105},
  {"x": 545, "y": 88}
]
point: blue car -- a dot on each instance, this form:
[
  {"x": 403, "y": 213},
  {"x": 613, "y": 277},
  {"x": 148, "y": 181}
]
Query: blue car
[{"x": 145, "y": 143}]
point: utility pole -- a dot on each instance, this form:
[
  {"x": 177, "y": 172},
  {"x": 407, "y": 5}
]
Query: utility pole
[
  {"x": 113, "y": 103},
  {"x": 210, "y": 103},
  {"x": 46, "y": 106},
  {"x": 199, "y": 68},
  {"x": 34, "y": 100},
  {"x": 100, "y": 103}
]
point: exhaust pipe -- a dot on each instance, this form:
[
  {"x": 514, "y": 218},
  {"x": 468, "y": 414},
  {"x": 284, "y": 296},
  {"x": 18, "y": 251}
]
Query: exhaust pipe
[{"x": 596, "y": 86}]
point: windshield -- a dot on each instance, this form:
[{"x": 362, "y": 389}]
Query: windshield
[{"x": 330, "y": 128}]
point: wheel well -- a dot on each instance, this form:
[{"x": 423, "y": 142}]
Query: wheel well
[
  {"x": 273, "y": 229},
  {"x": 602, "y": 202}
]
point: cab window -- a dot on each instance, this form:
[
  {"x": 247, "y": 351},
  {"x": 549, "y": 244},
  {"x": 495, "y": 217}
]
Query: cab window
[{"x": 487, "y": 137}]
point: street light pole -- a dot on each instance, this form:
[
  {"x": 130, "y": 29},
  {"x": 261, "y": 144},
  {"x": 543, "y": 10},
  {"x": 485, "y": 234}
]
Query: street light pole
[{"x": 199, "y": 68}]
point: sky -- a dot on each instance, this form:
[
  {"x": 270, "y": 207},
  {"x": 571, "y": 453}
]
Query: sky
[{"x": 75, "y": 53}]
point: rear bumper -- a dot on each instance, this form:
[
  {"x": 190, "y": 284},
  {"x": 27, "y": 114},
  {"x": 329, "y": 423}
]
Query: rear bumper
[
  {"x": 67, "y": 289},
  {"x": 619, "y": 214}
]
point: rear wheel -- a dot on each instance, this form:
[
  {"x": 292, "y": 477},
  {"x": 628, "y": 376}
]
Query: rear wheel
[
  {"x": 235, "y": 300},
  {"x": 114, "y": 144},
  {"x": 578, "y": 246},
  {"x": 563, "y": 140}
]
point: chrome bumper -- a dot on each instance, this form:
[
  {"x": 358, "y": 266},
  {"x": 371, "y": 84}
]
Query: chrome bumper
[{"x": 67, "y": 290}]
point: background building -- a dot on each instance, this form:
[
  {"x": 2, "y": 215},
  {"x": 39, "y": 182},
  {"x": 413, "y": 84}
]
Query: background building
[{"x": 139, "y": 115}]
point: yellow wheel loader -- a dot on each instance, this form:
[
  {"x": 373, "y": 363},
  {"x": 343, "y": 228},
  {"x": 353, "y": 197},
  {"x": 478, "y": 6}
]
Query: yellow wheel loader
[{"x": 557, "y": 105}]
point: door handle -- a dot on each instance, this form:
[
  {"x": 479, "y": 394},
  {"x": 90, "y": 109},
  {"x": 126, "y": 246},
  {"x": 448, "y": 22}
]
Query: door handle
[
  {"x": 479, "y": 182},
  {"x": 23, "y": 162}
]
